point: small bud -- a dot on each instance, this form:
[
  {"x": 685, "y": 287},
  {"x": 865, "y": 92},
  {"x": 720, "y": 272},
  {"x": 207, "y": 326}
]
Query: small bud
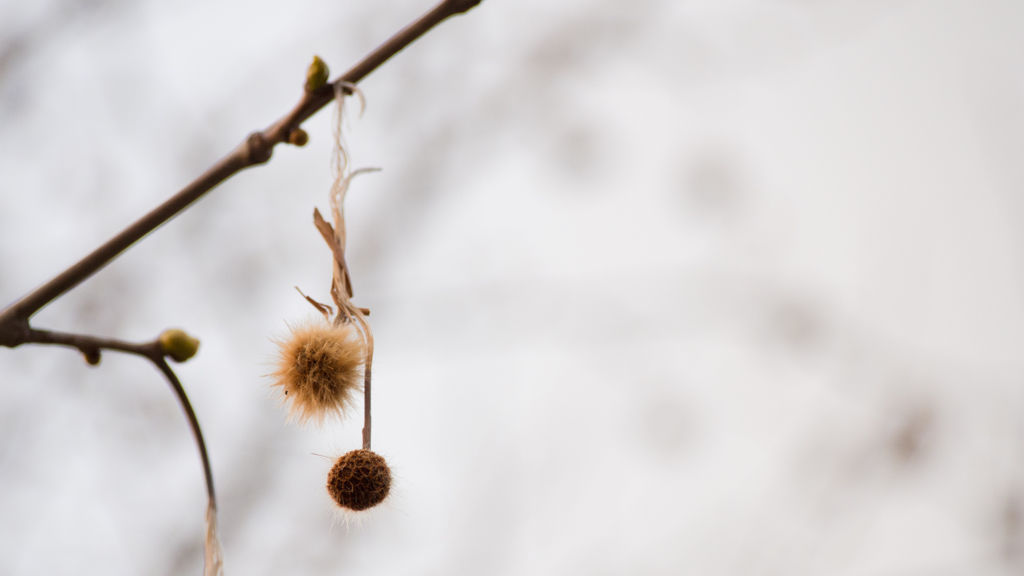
[
  {"x": 178, "y": 345},
  {"x": 92, "y": 356},
  {"x": 298, "y": 137},
  {"x": 316, "y": 75},
  {"x": 359, "y": 480}
]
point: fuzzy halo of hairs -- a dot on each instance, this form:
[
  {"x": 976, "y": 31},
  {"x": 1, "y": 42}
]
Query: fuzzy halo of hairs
[{"x": 319, "y": 369}]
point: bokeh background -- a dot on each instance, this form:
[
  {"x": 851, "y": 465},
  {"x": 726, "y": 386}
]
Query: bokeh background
[{"x": 659, "y": 287}]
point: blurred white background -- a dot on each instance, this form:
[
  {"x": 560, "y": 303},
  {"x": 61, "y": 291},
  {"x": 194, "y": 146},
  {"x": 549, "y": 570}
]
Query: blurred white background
[{"x": 659, "y": 287}]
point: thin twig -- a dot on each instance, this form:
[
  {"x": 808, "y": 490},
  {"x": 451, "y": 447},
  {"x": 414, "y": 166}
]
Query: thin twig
[
  {"x": 256, "y": 149},
  {"x": 193, "y": 422},
  {"x": 90, "y": 347}
]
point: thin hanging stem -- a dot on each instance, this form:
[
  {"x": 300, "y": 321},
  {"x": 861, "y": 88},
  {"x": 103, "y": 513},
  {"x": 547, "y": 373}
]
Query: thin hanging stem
[
  {"x": 193, "y": 423},
  {"x": 336, "y": 237},
  {"x": 366, "y": 389},
  {"x": 213, "y": 561}
]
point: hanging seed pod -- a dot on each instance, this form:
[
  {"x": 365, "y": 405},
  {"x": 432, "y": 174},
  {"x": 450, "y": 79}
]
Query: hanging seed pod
[
  {"x": 319, "y": 369},
  {"x": 359, "y": 480}
]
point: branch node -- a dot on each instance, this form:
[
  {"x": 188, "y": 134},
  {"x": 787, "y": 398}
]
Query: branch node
[
  {"x": 258, "y": 149},
  {"x": 14, "y": 332}
]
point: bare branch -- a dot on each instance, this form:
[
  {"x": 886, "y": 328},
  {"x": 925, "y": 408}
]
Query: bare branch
[
  {"x": 15, "y": 328},
  {"x": 91, "y": 346},
  {"x": 193, "y": 422},
  {"x": 256, "y": 149},
  {"x": 156, "y": 352}
]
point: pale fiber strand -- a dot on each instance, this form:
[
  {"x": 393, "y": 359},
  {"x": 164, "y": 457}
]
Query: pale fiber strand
[
  {"x": 348, "y": 312},
  {"x": 214, "y": 563}
]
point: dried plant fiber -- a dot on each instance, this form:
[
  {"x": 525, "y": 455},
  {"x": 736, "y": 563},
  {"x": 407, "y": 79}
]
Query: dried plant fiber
[{"x": 214, "y": 561}]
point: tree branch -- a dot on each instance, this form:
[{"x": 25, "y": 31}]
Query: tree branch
[
  {"x": 193, "y": 423},
  {"x": 15, "y": 327},
  {"x": 91, "y": 346},
  {"x": 256, "y": 149}
]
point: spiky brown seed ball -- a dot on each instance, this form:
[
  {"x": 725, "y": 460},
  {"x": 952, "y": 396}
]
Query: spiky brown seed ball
[
  {"x": 319, "y": 368},
  {"x": 359, "y": 480}
]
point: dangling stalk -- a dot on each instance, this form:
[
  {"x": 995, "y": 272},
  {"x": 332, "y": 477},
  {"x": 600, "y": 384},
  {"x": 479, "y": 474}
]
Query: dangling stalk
[
  {"x": 213, "y": 564},
  {"x": 341, "y": 285},
  {"x": 91, "y": 347}
]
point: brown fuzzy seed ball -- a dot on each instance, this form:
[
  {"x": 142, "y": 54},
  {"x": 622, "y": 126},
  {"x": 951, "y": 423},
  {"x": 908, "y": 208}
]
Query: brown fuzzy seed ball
[
  {"x": 359, "y": 480},
  {"x": 319, "y": 369}
]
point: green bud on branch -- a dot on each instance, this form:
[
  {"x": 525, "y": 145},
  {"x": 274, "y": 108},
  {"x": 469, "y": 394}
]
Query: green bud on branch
[
  {"x": 316, "y": 75},
  {"x": 178, "y": 345}
]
